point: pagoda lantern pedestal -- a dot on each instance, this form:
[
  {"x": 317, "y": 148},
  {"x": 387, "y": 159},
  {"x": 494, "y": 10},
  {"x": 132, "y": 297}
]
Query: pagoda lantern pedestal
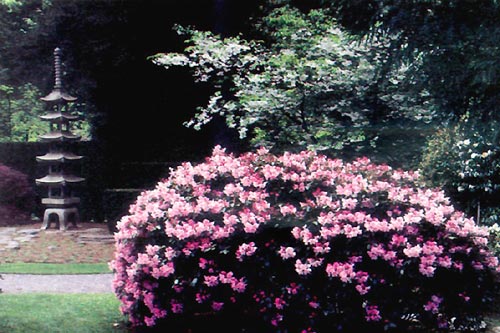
[
  {"x": 61, "y": 203},
  {"x": 64, "y": 215}
]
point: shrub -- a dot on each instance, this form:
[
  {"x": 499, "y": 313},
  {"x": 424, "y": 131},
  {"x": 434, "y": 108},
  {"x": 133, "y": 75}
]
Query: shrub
[
  {"x": 464, "y": 159},
  {"x": 16, "y": 196},
  {"x": 307, "y": 243}
]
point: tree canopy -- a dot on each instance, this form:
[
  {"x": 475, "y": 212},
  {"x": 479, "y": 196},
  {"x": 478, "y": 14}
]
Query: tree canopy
[
  {"x": 455, "y": 40},
  {"x": 305, "y": 83}
]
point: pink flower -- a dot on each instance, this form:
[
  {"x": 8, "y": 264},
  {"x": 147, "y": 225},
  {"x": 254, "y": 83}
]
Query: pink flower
[
  {"x": 176, "y": 306},
  {"x": 433, "y": 304},
  {"x": 362, "y": 289},
  {"x": 302, "y": 268},
  {"x": 351, "y": 232},
  {"x": 426, "y": 270},
  {"x": 203, "y": 263},
  {"x": 444, "y": 261},
  {"x": 372, "y": 313},
  {"x": 245, "y": 250},
  {"x": 211, "y": 280},
  {"x": 431, "y": 248},
  {"x": 279, "y": 303},
  {"x": 201, "y": 298},
  {"x": 464, "y": 296},
  {"x": 250, "y": 228},
  {"x": 271, "y": 172},
  {"x": 149, "y": 321},
  {"x": 217, "y": 306},
  {"x": 231, "y": 189},
  {"x": 412, "y": 251},
  {"x": 314, "y": 305},
  {"x": 287, "y": 252},
  {"x": 398, "y": 240},
  {"x": 349, "y": 203},
  {"x": 238, "y": 285},
  {"x": 163, "y": 270},
  {"x": 376, "y": 251},
  {"x": 344, "y": 271},
  {"x": 296, "y": 232},
  {"x": 292, "y": 289},
  {"x": 321, "y": 248},
  {"x": 276, "y": 320},
  {"x": 288, "y": 210},
  {"x": 226, "y": 277},
  {"x": 169, "y": 253}
]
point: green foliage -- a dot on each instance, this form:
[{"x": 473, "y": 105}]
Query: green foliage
[
  {"x": 20, "y": 108},
  {"x": 10, "y": 3},
  {"x": 439, "y": 161},
  {"x": 455, "y": 41},
  {"x": 305, "y": 84},
  {"x": 465, "y": 160},
  {"x": 494, "y": 230}
]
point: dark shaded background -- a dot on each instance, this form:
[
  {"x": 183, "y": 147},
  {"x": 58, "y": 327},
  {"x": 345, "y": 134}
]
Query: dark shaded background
[{"x": 137, "y": 108}]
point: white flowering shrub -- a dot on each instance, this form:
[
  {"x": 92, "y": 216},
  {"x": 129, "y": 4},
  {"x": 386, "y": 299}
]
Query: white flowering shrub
[
  {"x": 465, "y": 160},
  {"x": 305, "y": 84}
]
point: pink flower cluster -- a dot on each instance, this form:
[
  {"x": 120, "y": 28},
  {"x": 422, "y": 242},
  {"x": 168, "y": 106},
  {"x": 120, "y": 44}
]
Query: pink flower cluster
[
  {"x": 372, "y": 313},
  {"x": 200, "y": 210},
  {"x": 433, "y": 304}
]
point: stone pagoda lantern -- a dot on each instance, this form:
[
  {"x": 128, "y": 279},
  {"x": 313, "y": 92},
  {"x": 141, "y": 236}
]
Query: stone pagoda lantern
[{"x": 60, "y": 201}]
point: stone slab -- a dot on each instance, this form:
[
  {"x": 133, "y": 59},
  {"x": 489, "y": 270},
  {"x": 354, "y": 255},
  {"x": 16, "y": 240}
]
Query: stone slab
[
  {"x": 95, "y": 237},
  {"x": 5, "y": 239},
  {"x": 28, "y": 231},
  {"x": 7, "y": 230},
  {"x": 13, "y": 245},
  {"x": 23, "y": 239},
  {"x": 95, "y": 230}
]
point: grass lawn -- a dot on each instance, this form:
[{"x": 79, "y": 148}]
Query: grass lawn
[
  {"x": 65, "y": 313},
  {"x": 46, "y": 268}
]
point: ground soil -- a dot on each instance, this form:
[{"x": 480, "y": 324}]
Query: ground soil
[{"x": 54, "y": 246}]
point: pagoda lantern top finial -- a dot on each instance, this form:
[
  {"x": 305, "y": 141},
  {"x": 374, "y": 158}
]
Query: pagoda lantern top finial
[
  {"x": 57, "y": 68},
  {"x": 57, "y": 94}
]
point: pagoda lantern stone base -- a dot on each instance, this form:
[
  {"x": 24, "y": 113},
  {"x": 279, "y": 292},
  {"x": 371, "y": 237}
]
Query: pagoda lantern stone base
[{"x": 63, "y": 215}]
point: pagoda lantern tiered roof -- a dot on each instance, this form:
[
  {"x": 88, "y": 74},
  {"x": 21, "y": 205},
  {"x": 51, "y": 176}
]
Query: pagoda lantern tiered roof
[
  {"x": 57, "y": 96},
  {"x": 60, "y": 200},
  {"x": 59, "y": 136},
  {"x": 59, "y": 180},
  {"x": 53, "y": 157},
  {"x": 59, "y": 116}
]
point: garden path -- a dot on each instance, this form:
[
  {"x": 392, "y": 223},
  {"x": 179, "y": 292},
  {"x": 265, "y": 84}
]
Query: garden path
[
  {"x": 81, "y": 283},
  {"x": 15, "y": 238}
]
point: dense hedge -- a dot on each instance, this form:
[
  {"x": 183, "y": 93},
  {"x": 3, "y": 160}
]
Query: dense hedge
[
  {"x": 307, "y": 243},
  {"x": 16, "y": 196}
]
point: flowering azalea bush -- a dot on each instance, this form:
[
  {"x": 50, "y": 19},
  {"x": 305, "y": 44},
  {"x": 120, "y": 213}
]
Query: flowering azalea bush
[{"x": 307, "y": 243}]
